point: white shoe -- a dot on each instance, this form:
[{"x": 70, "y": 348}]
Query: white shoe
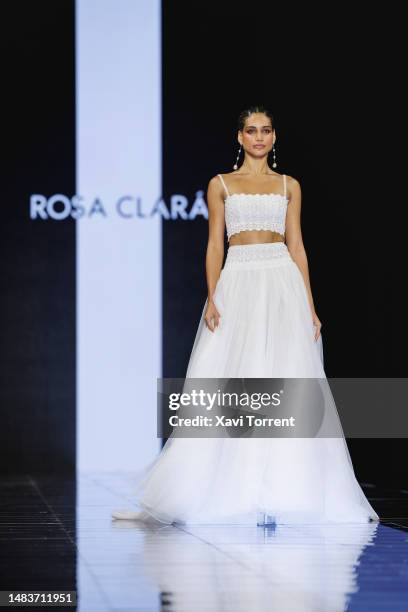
[
  {"x": 129, "y": 515},
  {"x": 374, "y": 519}
]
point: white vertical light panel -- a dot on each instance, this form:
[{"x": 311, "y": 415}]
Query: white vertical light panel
[{"x": 118, "y": 89}]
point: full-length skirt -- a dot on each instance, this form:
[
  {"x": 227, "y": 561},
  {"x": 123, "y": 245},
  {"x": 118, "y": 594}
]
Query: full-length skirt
[{"x": 265, "y": 331}]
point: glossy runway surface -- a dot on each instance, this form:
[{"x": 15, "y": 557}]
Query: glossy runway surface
[{"x": 58, "y": 534}]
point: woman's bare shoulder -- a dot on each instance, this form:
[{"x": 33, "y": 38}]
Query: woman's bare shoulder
[
  {"x": 214, "y": 181},
  {"x": 291, "y": 180},
  {"x": 216, "y": 177},
  {"x": 293, "y": 184},
  {"x": 215, "y": 186}
]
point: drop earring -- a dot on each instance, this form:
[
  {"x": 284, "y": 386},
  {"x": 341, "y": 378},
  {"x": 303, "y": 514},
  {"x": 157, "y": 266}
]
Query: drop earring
[
  {"x": 235, "y": 166},
  {"x": 274, "y": 164}
]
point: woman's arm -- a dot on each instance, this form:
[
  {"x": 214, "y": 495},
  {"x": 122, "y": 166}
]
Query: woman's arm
[
  {"x": 294, "y": 242},
  {"x": 215, "y": 247}
]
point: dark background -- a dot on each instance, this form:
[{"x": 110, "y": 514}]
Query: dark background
[
  {"x": 334, "y": 82},
  {"x": 37, "y": 283}
]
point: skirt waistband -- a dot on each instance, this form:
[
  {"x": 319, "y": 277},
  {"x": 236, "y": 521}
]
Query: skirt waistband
[{"x": 273, "y": 252}]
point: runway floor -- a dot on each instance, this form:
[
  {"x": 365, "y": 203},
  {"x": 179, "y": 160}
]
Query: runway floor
[{"x": 57, "y": 534}]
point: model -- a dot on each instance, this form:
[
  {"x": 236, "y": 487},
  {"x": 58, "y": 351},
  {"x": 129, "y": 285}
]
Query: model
[{"x": 258, "y": 321}]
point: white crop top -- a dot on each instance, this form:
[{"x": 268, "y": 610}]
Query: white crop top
[{"x": 255, "y": 211}]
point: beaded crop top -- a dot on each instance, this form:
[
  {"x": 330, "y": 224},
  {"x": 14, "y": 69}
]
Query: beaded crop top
[{"x": 255, "y": 211}]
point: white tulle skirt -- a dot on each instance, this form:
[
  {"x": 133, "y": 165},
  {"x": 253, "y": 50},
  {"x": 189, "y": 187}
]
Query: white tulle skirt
[{"x": 266, "y": 330}]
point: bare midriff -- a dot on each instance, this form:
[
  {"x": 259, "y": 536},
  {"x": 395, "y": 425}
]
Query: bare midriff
[{"x": 255, "y": 237}]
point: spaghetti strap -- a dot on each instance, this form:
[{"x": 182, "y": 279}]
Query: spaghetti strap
[
  {"x": 223, "y": 182},
  {"x": 284, "y": 185}
]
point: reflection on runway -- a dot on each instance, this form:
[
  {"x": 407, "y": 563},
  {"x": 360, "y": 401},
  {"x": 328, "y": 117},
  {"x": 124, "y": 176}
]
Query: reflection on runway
[
  {"x": 311, "y": 568},
  {"x": 154, "y": 567}
]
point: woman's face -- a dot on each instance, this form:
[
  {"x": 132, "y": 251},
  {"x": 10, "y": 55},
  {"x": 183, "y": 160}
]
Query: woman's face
[{"x": 257, "y": 137}]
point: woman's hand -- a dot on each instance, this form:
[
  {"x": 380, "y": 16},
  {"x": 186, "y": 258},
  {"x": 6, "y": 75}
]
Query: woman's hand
[
  {"x": 317, "y": 325},
  {"x": 212, "y": 316}
]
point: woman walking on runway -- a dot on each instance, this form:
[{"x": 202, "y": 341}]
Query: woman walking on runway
[{"x": 258, "y": 321}]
